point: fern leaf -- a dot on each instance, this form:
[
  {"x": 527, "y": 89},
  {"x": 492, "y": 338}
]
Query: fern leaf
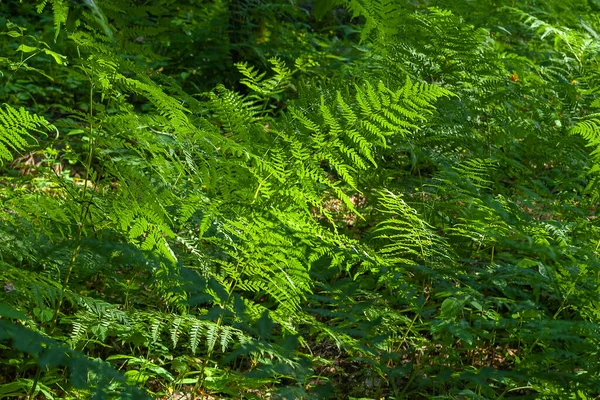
[
  {"x": 195, "y": 336},
  {"x": 15, "y": 126}
]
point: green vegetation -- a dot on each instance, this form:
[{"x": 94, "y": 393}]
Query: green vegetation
[{"x": 299, "y": 199}]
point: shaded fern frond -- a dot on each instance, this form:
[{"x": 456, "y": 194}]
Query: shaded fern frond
[
  {"x": 266, "y": 87},
  {"x": 235, "y": 112},
  {"x": 589, "y": 129},
  {"x": 476, "y": 172},
  {"x": 407, "y": 239}
]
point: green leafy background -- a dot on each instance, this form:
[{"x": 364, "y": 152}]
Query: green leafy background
[{"x": 299, "y": 199}]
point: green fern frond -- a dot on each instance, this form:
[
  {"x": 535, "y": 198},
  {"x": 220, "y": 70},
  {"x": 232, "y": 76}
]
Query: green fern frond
[
  {"x": 477, "y": 172},
  {"x": 381, "y": 17},
  {"x": 345, "y": 135},
  {"x": 589, "y": 129},
  {"x": 408, "y": 238},
  {"x": 266, "y": 88},
  {"x": 212, "y": 336},
  {"x": 175, "y": 330},
  {"x": 60, "y": 9},
  {"x": 15, "y": 128},
  {"x": 235, "y": 112},
  {"x": 195, "y": 336}
]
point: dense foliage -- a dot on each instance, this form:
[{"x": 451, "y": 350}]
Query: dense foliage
[{"x": 296, "y": 199}]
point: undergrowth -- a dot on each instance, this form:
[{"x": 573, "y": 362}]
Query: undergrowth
[{"x": 281, "y": 199}]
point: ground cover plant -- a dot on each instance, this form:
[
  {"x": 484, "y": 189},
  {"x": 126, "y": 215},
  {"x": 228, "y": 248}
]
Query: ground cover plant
[{"x": 299, "y": 199}]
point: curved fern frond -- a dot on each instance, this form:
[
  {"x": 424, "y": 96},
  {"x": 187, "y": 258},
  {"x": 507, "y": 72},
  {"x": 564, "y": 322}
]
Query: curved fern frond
[
  {"x": 266, "y": 88},
  {"x": 15, "y": 128},
  {"x": 407, "y": 238},
  {"x": 589, "y": 129}
]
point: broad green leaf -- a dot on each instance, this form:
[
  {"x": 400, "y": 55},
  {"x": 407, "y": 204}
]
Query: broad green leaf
[
  {"x": 26, "y": 49},
  {"x": 9, "y": 312},
  {"x": 450, "y": 308},
  {"x": 135, "y": 377}
]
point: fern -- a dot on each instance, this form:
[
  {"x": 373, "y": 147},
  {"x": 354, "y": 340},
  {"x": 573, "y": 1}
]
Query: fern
[
  {"x": 589, "y": 130},
  {"x": 15, "y": 128},
  {"x": 380, "y": 16},
  {"x": 402, "y": 207},
  {"x": 266, "y": 88},
  {"x": 409, "y": 239},
  {"x": 343, "y": 135}
]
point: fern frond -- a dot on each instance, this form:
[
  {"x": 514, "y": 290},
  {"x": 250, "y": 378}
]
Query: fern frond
[
  {"x": 175, "y": 330},
  {"x": 15, "y": 128},
  {"x": 266, "y": 88},
  {"x": 408, "y": 238},
  {"x": 195, "y": 336},
  {"x": 589, "y": 129},
  {"x": 381, "y": 17}
]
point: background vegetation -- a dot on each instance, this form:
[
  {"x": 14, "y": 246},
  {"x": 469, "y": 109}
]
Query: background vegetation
[{"x": 297, "y": 199}]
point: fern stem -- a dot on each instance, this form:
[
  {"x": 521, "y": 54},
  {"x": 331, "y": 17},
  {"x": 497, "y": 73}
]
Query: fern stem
[
  {"x": 22, "y": 61},
  {"x": 64, "y": 285},
  {"x": 410, "y": 380},
  {"x": 209, "y": 353},
  {"x": 85, "y": 207},
  {"x": 35, "y": 383},
  {"x": 259, "y": 186},
  {"x": 405, "y": 336}
]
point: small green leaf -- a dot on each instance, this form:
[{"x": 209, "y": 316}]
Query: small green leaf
[
  {"x": 461, "y": 331},
  {"x": 59, "y": 58},
  {"x": 120, "y": 357},
  {"x": 26, "y": 49},
  {"x": 43, "y": 314},
  {"x": 135, "y": 377},
  {"x": 450, "y": 308},
  {"x": 477, "y": 305}
]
